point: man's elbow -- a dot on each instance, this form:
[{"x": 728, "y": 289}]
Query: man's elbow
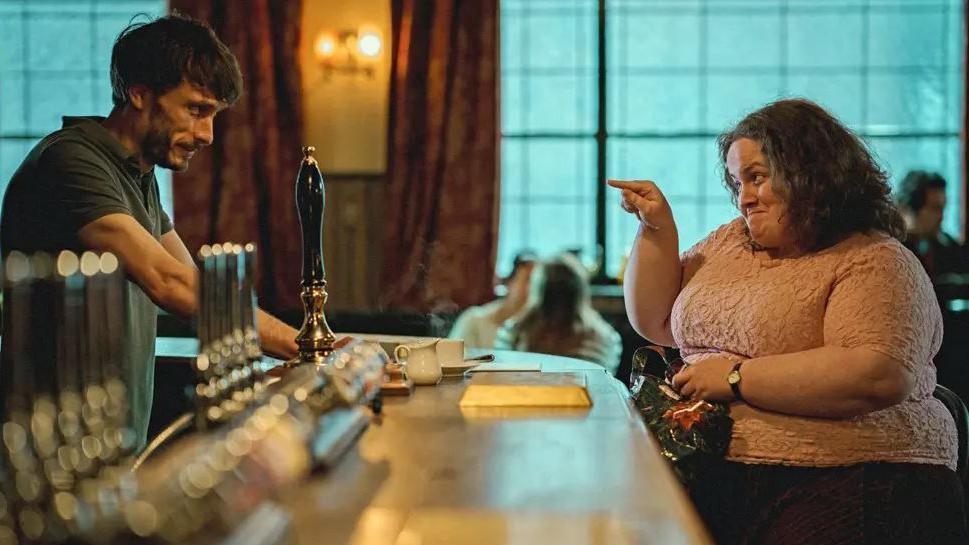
[{"x": 169, "y": 292}]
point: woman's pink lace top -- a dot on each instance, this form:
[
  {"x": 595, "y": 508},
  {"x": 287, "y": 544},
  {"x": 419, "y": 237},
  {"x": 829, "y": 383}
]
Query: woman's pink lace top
[{"x": 865, "y": 291}]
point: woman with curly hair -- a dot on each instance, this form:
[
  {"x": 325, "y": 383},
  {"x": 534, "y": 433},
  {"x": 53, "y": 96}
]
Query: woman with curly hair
[{"x": 808, "y": 315}]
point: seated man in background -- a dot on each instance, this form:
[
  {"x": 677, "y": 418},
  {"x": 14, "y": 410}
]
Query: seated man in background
[
  {"x": 559, "y": 318},
  {"x": 922, "y": 200},
  {"x": 477, "y": 325},
  {"x": 91, "y": 185}
]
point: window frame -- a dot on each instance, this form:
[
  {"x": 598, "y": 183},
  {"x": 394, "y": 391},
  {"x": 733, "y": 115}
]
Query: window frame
[
  {"x": 602, "y": 134},
  {"x": 95, "y": 11}
]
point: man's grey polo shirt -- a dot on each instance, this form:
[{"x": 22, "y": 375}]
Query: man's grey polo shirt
[{"x": 71, "y": 178}]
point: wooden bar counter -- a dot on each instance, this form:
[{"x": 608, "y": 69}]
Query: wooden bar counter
[{"x": 429, "y": 472}]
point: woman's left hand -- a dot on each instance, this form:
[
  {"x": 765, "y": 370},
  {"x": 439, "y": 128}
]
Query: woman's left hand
[{"x": 705, "y": 380}]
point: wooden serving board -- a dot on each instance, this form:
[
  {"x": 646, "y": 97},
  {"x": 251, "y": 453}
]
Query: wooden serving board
[{"x": 526, "y": 389}]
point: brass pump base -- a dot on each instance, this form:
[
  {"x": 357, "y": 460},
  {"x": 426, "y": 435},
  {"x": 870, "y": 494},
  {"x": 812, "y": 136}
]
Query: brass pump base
[{"x": 315, "y": 339}]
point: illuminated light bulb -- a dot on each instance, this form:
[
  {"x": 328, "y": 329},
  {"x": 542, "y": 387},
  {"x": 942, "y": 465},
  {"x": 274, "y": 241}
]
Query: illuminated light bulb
[
  {"x": 368, "y": 44},
  {"x": 325, "y": 45}
]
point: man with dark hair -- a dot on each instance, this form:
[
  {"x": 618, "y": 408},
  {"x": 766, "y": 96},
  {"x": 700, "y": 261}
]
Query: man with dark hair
[
  {"x": 922, "y": 200},
  {"x": 91, "y": 185}
]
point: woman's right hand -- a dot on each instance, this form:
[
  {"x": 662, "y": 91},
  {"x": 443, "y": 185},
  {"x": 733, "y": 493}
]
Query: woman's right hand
[{"x": 643, "y": 199}]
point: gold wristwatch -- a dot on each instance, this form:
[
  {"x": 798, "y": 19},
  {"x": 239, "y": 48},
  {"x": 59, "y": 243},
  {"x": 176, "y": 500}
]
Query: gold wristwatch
[{"x": 733, "y": 379}]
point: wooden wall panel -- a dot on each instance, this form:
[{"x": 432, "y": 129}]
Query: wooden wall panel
[{"x": 353, "y": 239}]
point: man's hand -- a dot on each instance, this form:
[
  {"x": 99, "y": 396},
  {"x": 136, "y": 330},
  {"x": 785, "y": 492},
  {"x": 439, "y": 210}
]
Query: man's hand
[
  {"x": 276, "y": 337},
  {"x": 705, "y": 380}
]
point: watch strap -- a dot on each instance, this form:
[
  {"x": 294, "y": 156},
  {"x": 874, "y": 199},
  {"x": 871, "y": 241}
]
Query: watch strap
[{"x": 735, "y": 385}]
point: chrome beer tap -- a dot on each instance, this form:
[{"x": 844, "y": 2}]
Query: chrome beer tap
[
  {"x": 73, "y": 350},
  {"x": 209, "y": 363},
  {"x": 94, "y": 397},
  {"x": 23, "y": 464},
  {"x": 118, "y": 433},
  {"x": 240, "y": 390},
  {"x": 250, "y": 333}
]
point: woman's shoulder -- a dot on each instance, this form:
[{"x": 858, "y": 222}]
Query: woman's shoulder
[
  {"x": 599, "y": 326},
  {"x": 870, "y": 243},
  {"x": 877, "y": 250}
]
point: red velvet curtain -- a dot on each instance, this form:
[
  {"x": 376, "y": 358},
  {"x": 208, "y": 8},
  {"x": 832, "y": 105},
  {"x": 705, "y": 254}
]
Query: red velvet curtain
[
  {"x": 241, "y": 188},
  {"x": 442, "y": 212}
]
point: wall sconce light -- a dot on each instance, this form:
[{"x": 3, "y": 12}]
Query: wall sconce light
[{"x": 348, "y": 51}]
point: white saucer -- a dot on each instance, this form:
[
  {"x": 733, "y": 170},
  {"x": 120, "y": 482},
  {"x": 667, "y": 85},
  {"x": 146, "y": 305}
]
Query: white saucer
[{"x": 458, "y": 368}]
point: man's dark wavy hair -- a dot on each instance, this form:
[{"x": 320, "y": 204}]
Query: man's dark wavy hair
[
  {"x": 161, "y": 53},
  {"x": 829, "y": 179},
  {"x": 914, "y": 188}
]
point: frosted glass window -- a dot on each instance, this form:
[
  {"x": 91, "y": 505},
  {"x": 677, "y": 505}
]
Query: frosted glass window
[
  {"x": 54, "y": 61},
  {"x": 677, "y": 73}
]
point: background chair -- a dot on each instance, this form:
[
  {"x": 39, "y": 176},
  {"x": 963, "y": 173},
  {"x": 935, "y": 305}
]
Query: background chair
[{"x": 961, "y": 416}]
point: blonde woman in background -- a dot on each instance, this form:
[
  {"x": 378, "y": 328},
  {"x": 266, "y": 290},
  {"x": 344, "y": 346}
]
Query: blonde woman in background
[{"x": 559, "y": 318}]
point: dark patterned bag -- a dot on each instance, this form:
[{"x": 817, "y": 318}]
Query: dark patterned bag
[{"x": 689, "y": 431}]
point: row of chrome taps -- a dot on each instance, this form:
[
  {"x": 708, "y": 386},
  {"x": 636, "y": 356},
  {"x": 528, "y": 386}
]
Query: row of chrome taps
[
  {"x": 66, "y": 437},
  {"x": 230, "y": 370}
]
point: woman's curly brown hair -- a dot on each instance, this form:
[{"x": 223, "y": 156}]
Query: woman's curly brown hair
[{"x": 831, "y": 183}]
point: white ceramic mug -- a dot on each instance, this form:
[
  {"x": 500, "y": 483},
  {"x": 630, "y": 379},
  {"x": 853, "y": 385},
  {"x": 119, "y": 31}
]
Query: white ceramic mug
[
  {"x": 421, "y": 361},
  {"x": 450, "y": 352}
]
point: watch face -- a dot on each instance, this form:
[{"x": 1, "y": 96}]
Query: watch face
[{"x": 733, "y": 377}]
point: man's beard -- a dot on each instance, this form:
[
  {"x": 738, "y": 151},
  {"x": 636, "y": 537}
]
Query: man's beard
[{"x": 157, "y": 146}]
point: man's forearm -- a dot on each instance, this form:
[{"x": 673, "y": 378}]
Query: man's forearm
[
  {"x": 277, "y": 338},
  {"x": 173, "y": 289}
]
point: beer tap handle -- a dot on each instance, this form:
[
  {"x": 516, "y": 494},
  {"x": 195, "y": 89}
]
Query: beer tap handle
[
  {"x": 92, "y": 360},
  {"x": 248, "y": 297},
  {"x": 315, "y": 339},
  {"x": 74, "y": 353},
  {"x": 16, "y": 362},
  {"x": 207, "y": 359},
  {"x": 114, "y": 300},
  {"x": 116, "y": 366},
  {"x": 69, "y": 290},
  {"x": 233, "y": 253},
  {"x": 236, "y": 393},
  {"x": 241, "y": 348},
  {"x": 204, "y": 320},
  {"x": 218, "y": 303},
  {"x": 44, "y": 323},
  {"x": 310, "y": 202},
  {"x": 94, "y": 397}
]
